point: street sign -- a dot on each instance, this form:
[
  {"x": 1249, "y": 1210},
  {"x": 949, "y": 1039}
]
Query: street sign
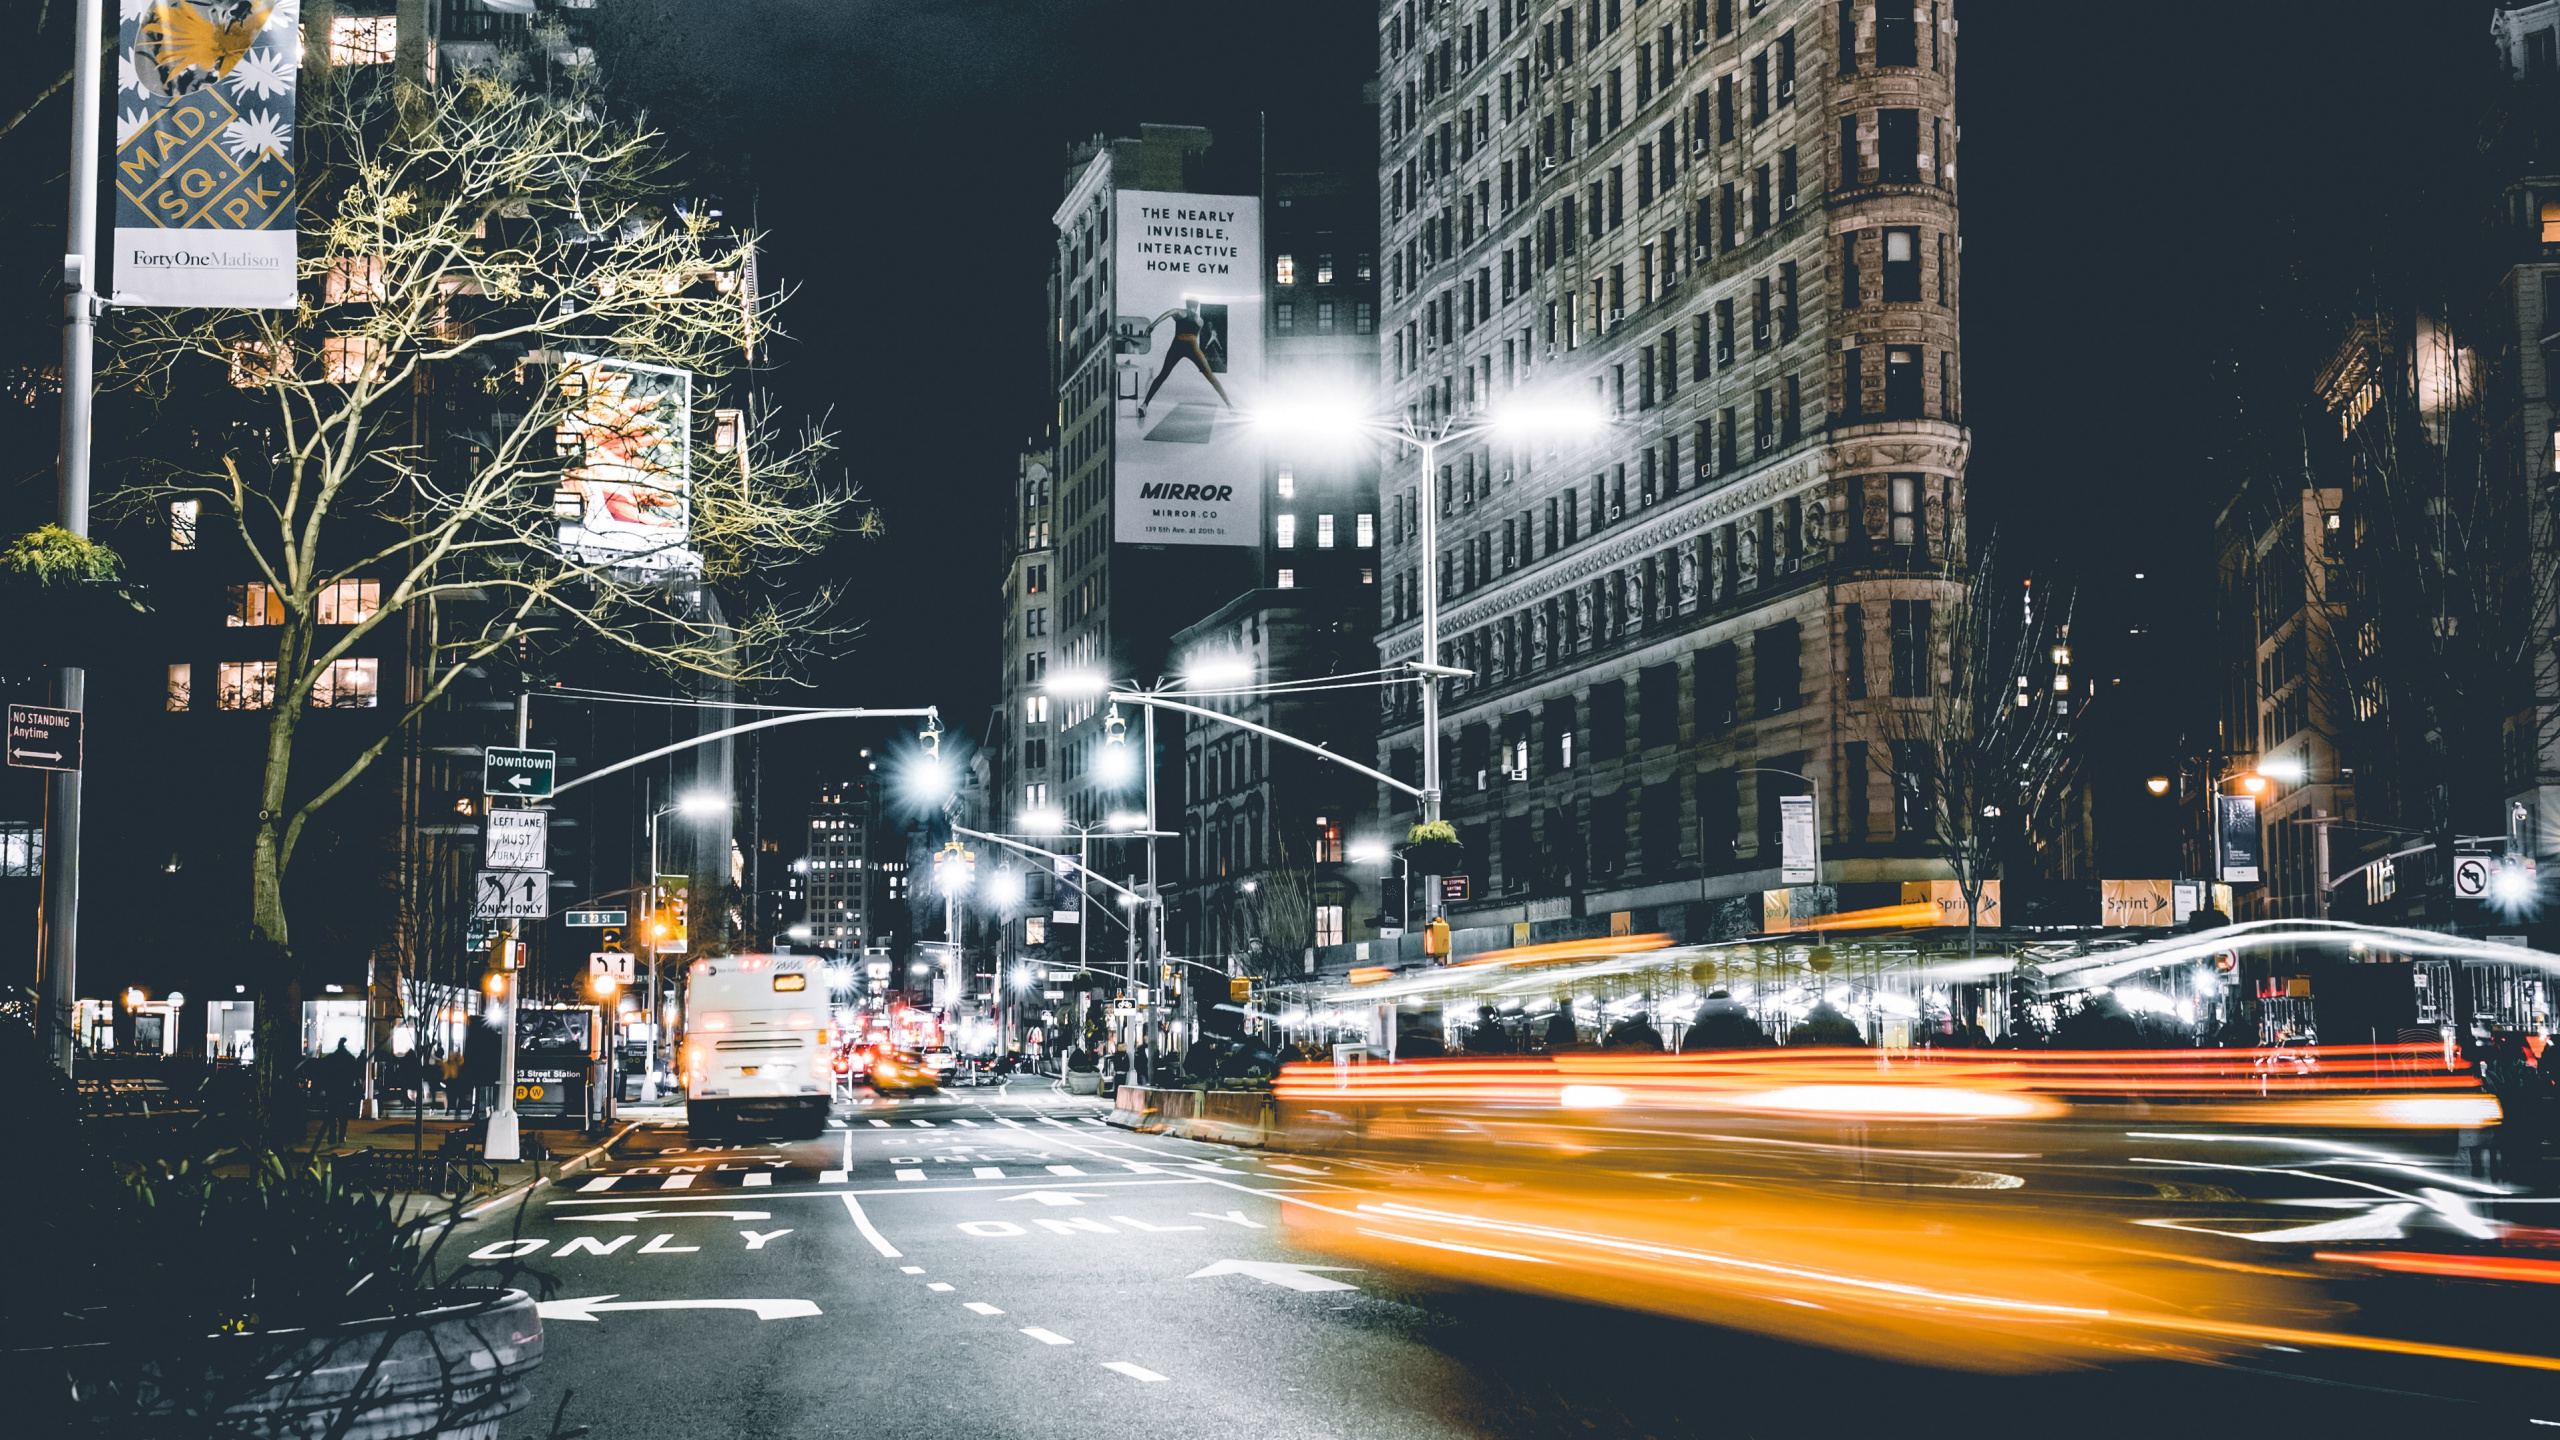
[
  {"x": 1799, "y": 847},
  {"x": 516, "y": 840},
  {"x": 598, "y": 919},
  {"x": 44, "y": 737},
  {"x": 513, "y": 895},
  {"x": 610, "y": 962},
  {"x": 2471, "y": 877},
  {"x": 1456, "y": 888},
  {"x": 517, "y": 772}
]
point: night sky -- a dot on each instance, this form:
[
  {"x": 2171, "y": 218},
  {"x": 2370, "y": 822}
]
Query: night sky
[{"x": 2150, "y": 201}]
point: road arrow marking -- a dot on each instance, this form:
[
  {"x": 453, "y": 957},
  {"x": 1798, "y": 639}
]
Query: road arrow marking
[
  {"x": 1056, "y": 1197},
  {"x": 593, "y": 1305},
  {"x": 675, "y": 1215},
  {"x": 1232, "y": 1217},
  {"x": 1272, "y": 1272}
]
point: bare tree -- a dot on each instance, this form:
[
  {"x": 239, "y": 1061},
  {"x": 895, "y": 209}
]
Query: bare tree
[
  {"x": 1281, "y": 911},
  {"x": 513, "y": 248},
  {"x": 1976, "y": 752}
]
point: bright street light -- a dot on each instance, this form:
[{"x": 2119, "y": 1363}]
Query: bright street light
[
  {"x": 2157, "y": 784},
  {"x": 1005, "y": 888},
  {"x": 1126, "y": 820},
  {"x": 1218, "y": 672},
  {"x": 702, "y": 804},
  {"x": 1077, "y": 684},
  {"x": 2283, "y": 768},
  {"x": 1366, "y": 851},
  {"x": 1045, "y": 819},
  {"x": 1117, "y": 765}
]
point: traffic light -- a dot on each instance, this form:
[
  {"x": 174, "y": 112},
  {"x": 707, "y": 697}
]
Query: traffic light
[
  {"x": 1435, "y": 938},
  {"x": 612, "y": 939},
  {"x": 496, "y": 983}
]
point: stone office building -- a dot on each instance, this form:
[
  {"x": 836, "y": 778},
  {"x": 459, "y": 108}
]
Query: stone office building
[{"x": 1731, "y": 223}]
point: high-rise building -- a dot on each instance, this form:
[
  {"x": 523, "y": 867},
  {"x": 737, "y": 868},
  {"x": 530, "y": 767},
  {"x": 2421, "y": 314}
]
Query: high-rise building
[
  {"x": 837, "y": 874},
  {"x": 1732, "y": 227}
]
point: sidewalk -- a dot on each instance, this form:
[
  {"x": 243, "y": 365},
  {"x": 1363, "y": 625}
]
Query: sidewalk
[{"x": 548, "y": 1154}]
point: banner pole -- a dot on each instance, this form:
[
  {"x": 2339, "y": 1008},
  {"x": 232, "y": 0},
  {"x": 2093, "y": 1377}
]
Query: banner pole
[{"x": 57, "y": 1031}]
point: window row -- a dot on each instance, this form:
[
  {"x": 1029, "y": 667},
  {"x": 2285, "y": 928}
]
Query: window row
[{"x": 350, "y": 684}]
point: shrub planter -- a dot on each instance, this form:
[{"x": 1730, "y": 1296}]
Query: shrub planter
[
  {"x": 1084, "y": 1082},
  {"x": 452, "y": 1368}
]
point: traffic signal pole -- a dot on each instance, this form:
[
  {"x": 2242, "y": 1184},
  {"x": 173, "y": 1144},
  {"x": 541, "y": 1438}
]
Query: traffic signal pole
[{"x": 502, "y": 1143}]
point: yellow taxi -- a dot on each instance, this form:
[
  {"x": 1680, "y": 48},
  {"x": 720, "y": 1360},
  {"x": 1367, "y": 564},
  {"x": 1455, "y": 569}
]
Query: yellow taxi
[{"x": 903, "y": 1072}]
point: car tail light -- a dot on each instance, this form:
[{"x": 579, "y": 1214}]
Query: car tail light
[{"x": 843, "y": 1066}]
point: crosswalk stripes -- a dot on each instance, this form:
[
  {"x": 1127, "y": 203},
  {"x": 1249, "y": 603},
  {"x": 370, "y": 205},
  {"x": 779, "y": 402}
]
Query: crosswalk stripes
[{"x": 911, "y": 1175}]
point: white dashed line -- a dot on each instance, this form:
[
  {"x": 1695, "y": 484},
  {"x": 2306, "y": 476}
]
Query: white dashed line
[
  {"x": 759, "y": 1177},
  {"x": 883, "y": 1124},
  {"x": 601, "y": 1182},
  {"x": 911, "y": 1175},
  {"x": 830, "y": 1177},
  {"x": 987, "y": 1172},
  {"x": 1134, "y": 1372},
  {"x": 1064, "y": 1170},
  {"x": 678, "y": 1182},
  {"x": 910, "y": 1269},
  {"x": 972, "y": 1124},
  {"x": 1046, "y": 1337},
  {"x": 981, "y": 1307},
  {"x": 925, "y": 1123},
  {"x": 938, "y": 1286}
]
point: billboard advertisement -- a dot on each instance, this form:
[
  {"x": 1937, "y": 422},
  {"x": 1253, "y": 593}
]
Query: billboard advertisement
[
  {"x": 204, "y": 153},
  {"x": 1187, "y": 364},
  {"x": 626, "y": 441},
  {"x": 2235, "y": 839}
]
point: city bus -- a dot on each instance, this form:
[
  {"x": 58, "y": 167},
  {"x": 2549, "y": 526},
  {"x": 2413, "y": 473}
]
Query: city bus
[{"x": 757, "y": 1053}]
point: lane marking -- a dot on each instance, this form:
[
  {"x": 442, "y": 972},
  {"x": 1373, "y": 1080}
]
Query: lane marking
[
  {"x": 1064, "y": 1170},
  {"x": 938, "y": 1286},
  {"x": 758, "y": 1239},
  {"x": 869, "y": 1231},
  {"x": 587, "y": 1308},
  {"x": 1133, "y": 1182},
  {"x": 987, "y": 1172},
  {"x": 981, "y": 1307},
  {"x": 910, "y": 1269},
  {"x": 972, "y": 1124},
  {"x": 831, "y": 1177},
  {"x": 911, "y": 1175},
  {"x": 1232, "y": 1217},
  {"x": 883, "y": 1124},
  {"x": 1052, "y": 1337},
  {"x": 848, "y": 1150},
  {"x": 757, "y": 1178},
  {"x": 1152, "y": 1229},
  {"x": 925, "y": 1123},
  {"x": 678, "y": 1182},
  {"x": 1134, "y": 1372},
  {"x": 601, "y": 1182},
  {"x": 659, "y": 1246},
  {"x": 1016, "y": 1124},
  {"x": 1273, "y": 1272}
]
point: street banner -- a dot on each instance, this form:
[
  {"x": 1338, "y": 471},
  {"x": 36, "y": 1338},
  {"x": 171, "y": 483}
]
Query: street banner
[
  {"x": 1799, "y": 845},
  {"x": 626, "y": 446},
  {"x": 1187, "y": 340},
  {"x": 204, "y": 153},
  {"x": 2235, "y": 839},
  {"x": 2136, "y": 902},
  {"x": 1948, "y": 897}
]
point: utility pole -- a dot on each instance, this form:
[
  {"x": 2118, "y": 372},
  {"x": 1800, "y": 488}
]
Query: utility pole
[
  {"x": 60, "y": 992},
  {"x": 1429, "y": 509},
  {"x": 501, "y": 1141}
]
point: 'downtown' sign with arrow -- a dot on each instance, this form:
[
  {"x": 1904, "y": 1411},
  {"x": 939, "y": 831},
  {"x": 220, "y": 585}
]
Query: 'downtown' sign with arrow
[{"x": 517, "y": 772}]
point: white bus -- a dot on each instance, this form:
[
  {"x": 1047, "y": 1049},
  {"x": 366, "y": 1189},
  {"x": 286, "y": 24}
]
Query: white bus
[{"x": 757, "y": 1051}]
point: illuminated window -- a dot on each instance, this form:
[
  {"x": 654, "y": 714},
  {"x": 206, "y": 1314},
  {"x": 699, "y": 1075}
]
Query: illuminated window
[
  {"x": 1036, "y": 709},
  {"x": 1324, "y": 532},
  {"x": 345, "y": 602},
  {"x": 1367, "y": 530},
  {"x": 1328, "y": 924},
  {"x": 182, "y": 687},
  {"x": 1285, "y": 270},
  {"x": 1288, "y": 483},
  {"x": 182, "y": 524},
  {"x": 352, "y": 280},
  {"x": 346, "y": 359},
  {"x": 351, "y": 684},
  {"x": 363, "y": 39},
  {"x": 1288, "y": 528},
  {"x": 2551, "y": 222},
  {"x": 256, "y": 603},
  {"x": 1324, "y": 269},
  {"x": 1288, "y": 580},
  {"x": 21, "y": 850},
  {"x": 245, "y": 685},
  {"x": 255, "y": 363}
]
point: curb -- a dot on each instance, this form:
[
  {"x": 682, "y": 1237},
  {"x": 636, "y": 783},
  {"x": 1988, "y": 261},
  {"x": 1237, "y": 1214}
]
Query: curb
[{"x": 567, "y": 1168}]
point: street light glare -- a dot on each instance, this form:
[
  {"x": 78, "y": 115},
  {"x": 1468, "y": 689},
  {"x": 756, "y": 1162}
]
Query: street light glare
[
  {"x": 1367, "y": 851},
  {"x": 702, "y": 805},
  {"x": 1217, "y": 672},
  {"x": 1076, "y": 684},
  {"x": 1550, "y": 418},
  {"x": 1117, "y": 765},
  {"x": 1045, "y": 819},
  {"x": 2287, "y": 770},
  {"x": 1127, "y": 820}
]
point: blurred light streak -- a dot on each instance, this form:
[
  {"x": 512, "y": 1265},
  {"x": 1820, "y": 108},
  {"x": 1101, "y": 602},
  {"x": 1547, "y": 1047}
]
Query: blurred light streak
[
  {"x": 2463, "y": 1267},
  {"x": 1894, "y": 1100},
  {"x": 1461, "y": 1249},
  {"x": 1556, "y": 950}
]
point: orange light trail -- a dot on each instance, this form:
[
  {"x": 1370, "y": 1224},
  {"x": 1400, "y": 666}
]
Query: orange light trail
[{"x": 2463, "y": 1267}]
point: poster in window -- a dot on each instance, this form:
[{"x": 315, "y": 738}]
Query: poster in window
[
  {"x": 1187, "y": 368},
  {"x": 204, "y": 174},
  {"x": 625, "y": 450}
]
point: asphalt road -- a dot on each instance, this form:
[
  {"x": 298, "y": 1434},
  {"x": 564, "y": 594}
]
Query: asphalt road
[{"x": 998, "y": 1263}]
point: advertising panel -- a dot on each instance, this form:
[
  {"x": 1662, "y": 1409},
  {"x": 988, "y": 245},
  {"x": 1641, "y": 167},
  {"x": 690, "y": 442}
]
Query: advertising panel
[
  {"x": 2136, "y": 902},
  {"x": 1187, "y": 345},
  {"x": 625, "y": 496},
  {"x": 204, "y": 142},
  {"x": 2235, "y": 839},
  {"x": 1799, "y": 844}
]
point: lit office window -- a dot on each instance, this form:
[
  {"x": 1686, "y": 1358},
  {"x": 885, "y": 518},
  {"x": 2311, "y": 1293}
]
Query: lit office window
[
  {"x": 1288, "y": 525},
  {"x": 245, "y": 685},
  {"x": 1324, "y": 532},
  {"x": 182, "y": 524},
  {"x": 1288, "y": 483},
  {"x": 345, "y": 602},
  {"x": 182, "y": 687},
  {"x": 1288, "y": 579},
  {"x": 1285, "y": 270},
  {"x": 352, "y": 684},
  {"x": 256, "y": 603}
]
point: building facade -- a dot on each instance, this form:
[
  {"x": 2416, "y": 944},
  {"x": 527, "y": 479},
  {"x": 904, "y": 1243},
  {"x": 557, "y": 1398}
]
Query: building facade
[{"x": 1732, "y": 227}]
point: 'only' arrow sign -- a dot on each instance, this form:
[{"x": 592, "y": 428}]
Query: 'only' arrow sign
[
  {"x": 1272, "y": 1272},
  {"x": 589, "y": 1307}
]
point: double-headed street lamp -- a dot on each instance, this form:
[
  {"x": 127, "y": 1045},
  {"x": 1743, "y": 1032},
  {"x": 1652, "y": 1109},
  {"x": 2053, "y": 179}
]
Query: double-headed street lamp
[{"x": 693, "y": 805}]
